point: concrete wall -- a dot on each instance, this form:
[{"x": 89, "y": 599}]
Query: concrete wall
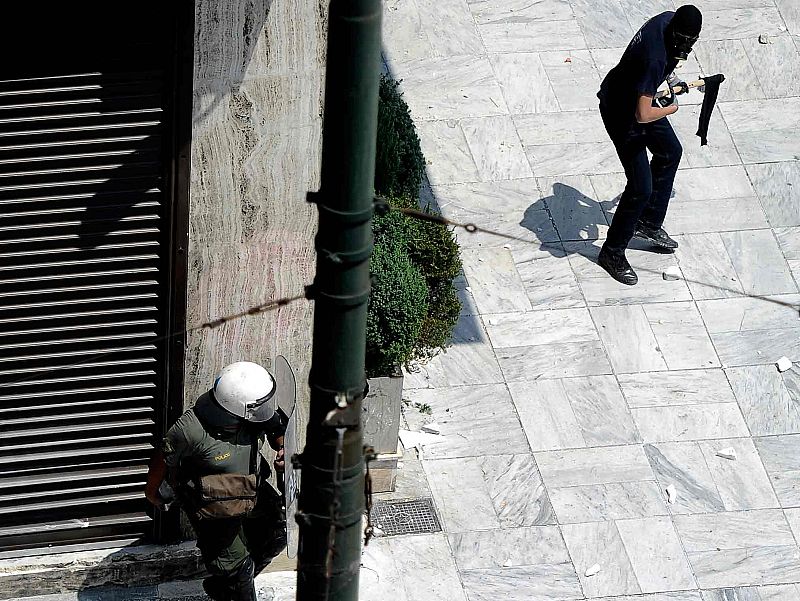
[{"x": 259, "y": 81}]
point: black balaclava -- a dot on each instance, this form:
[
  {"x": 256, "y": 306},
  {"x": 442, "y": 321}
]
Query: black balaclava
[{"x": 683, "y": 31}]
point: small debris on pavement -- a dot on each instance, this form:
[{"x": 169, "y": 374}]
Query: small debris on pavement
[
  {"x": 592, "y": 571},
  {"x": 783, "y": 364},
  {"x": 418, "y": 439},
  {"x": 376, "y": 532},
  {"x": 727, "y": 453},
  {"x": 671, "y": 273},
  {"x": 507, "y": 246},
  {"x": 763, "y": 39},
  {"x": 468, "y": 289},
  {"x": 568, "y": 59},
  {"x": 431, "y": 428},
  {"x": 672, "y": 494},
  {"x": 507, "y": 563}
]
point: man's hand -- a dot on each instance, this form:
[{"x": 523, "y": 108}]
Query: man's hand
[
  {"x": 280, "y": 461},
  {"x": 677, "y": 85},
  {"x": 668, "y": 100}
]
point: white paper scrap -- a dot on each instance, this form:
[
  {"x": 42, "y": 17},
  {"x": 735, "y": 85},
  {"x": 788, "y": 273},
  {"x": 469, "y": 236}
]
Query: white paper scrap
[
  {"x": 727, "y": 453},
  {"x": 592, "y": 571},
  {"x": 672, "y": 494},
  {"x": 784, "y": 364}
]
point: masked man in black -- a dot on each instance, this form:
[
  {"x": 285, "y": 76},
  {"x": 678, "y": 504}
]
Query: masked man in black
[{"x": 636, "y": 122}]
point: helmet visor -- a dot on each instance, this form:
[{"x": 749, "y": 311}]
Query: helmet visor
[{"x": 262, "y": 409}]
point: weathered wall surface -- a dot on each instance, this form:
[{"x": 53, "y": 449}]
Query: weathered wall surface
[{"x": 259, "y": 81}]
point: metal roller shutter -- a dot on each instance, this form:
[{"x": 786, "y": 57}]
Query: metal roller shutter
[{"x": 84, "y": 236}]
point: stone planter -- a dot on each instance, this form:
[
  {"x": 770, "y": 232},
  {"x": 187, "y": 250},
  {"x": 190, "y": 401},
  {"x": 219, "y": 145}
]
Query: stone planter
[{"x": 381, "y": 424}]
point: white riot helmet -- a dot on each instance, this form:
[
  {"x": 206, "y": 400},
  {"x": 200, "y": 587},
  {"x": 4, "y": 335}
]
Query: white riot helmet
[{"x": 246, "y": 390}]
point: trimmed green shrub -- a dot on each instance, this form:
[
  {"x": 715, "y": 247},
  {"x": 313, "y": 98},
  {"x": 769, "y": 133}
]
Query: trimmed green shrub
[{"x": 399, "y": 164}]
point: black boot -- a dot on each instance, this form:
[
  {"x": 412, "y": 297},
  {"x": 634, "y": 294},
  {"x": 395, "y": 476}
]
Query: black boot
[
  {"x": 615, "y": 263},
  {"x": 655, "y": 236},
  {"x": 216, "y": 587},
  {"x": 241, "y": 586}
]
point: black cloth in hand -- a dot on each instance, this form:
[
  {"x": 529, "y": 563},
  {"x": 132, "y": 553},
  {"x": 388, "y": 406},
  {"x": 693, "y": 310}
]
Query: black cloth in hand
[{"x": 712, "y": 83}]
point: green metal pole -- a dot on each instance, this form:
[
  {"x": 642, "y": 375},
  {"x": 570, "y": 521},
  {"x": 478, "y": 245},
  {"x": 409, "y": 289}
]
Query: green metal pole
[{"x": 331, "y": 501}]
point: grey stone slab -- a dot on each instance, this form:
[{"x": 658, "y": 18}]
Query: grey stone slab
[
  {"x": 639, "y": 11},
  {"x": 517, "y": 491},
  {"x": 743, "y": 483},
  {"x": 793, "y": 518},
  {"x": 776, "y": 64},
  {"x": 789, "y": 241},
  {"x": 572, "y": 159},
  {"x": 720, "y": 150},
  {"x": 520, "y": 11},
  {"x": 488, "y": 198},
  {"x": 529, "y": 363},
  {"x": 781, "y": 457},
  {"x": 769, "y": 146},
  {"x": 760, "y": 115},
  {"x": 759, "y": 263},
  {"x": 574, "y": 78},
  {"x": 690, "y": 422},
  {"x": 743, "y": 593},
  {"x": 451, "y": 88},
  {"x": 445, "y": 148},
  {"x": 600, "y": 411},
  {"x": 743, "y": 567},
  {"x": 738, "y": 23},
  {"x": 516, "y": 229},
  {"x": 681, "y": 335},
  {"x": 604, "y": 23},
  {"x": 673, "y": 596},
  {"x": 724, "y": 215},
  {"x": 570, "y": 201},
  {"x": 527, "y": 583},
  {"x": 450, "y": 27},
  {"x": 778, "y": 186},
  {"x": 675, "y": 388},
  {"x": 683, "y": 466},
  {"x": 495, "y": 430},
  {"x": 600, "y": 543},
  {"x": 712, "y": 183},
  {"x": 603, "y": 465},
  {"x": 514, "y": 547},
  {"x": 628, "y": 339},
  {"x": 379, "y": 577},
  {"x": 605, "y": 502},
  {"x": 432, "y": 574},
  {"x": 548, "y": 278},
  {"x": 707, "y": 267},
  {"x": 540, "y": 327},
  {"x": 533, "y": 36},
  {"x": 404, "y": 35},
  {"x": 754, "y": 313},
  {"x": 757, "y": 347},
  {"x": 790, "y": 12},
  {"x": 779, "y": 592},
  {"x": 601, "y": 290},
  {"x": 494, "y": 281},
  {"x": 729, "y": 57},
  {"x": 449, "y": 479},
  {"x": 524, "y": 82},
  {"x": 770, "y": 401},
  {"x": 656, "y": 554},
  {"x": 496, "y": 148},
  {"x": 573, "y": 127},
  {"x": 734, "y": 530}
]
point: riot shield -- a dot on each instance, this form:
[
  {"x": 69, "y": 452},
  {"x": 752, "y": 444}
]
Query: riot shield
[{"x": 287, "y": 393}]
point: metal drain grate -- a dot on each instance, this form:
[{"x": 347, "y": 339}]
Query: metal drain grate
[{"x": 415, "y": 516}]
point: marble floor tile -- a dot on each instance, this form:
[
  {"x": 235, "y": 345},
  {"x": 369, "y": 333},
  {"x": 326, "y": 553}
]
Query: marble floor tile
[
  {"x": 432, "y": 574},
  {"x": 707, "y": 267},
  {"x": 656, "y": 554},
  {"x": 573, "y": 413},
  {"x": 734, "y": 530},
  {"x": 601, "y": 290},
  {"x": 776, "y": 64},
  {"x": 740, "y": 23},
  {"x": 450, "y": 27},
  {"x": 757, "y": 347},
  {"x": 604, "y": 22},
  {"x": 770, "y": 401},
  {"x": 674, "y": 596},
  {"x": 531, "y": 228},
  {"x": 674, "y": 388},
  {"x": 451, "y": 88},
  {"x": 574, "y": 78},
  {"x": 606, "y": 59},
  {"x": 517, "y": 491},
  {"x": 449, "y": 478},
  {"x": 690, "y": 422},
  {"x": 576, "y": 214},
  {"x": 768, "y": 146},
  {"x": 540, "y": 327},
  {"x": 753, "y": 313},
  {"x": 789, "y": 241},
  {"x": 683, "y": 466},
  {"x": 742, "y": 484},
  {"x": 496, "y": 148},
  {"x": 724, "y": 215},
  {"x": 759, "y": 115},
  {"x": 605, "y": 502},
  {"x": 739, "y": 593},
  {"x": 681, "y": 335},
  {"x": 490, "y": 198},
  {"x": 639, "y": 11},
  {"x": 379, "y": 577},
  {"x": 782, "y": 461},
  {"x": 495, "y": 430},
  {"x": 511, "y": 548},
  {"x": 600, "y": 543},
  {"x": 628, "y": 339},
  {"x": 712, "y": 183},
  {"x": 494, "y": 281},
  {"x": 570, "y": 359},
  {"x": 777, "y": 185},
  {"x": 574, "y": 127},
  {"x": 720, "y": 150},
  {"x": 526, "y": 583},
  {"x": 572, "y": 159},
  {"x": 729, "y": 57},
  {"x": 758, "y": 262},
  {"x": 790, "y": 12},
  {"x": 742, "y": 567},
  {"x": 520, "y": 11},
  {"x": 404, "y": 35},
  {"x": 447, "y": 152},
  {"x": 793, "y": 518},
  {"x": 534, "y": 36},
  {"x": 584, "y": 467},
  {"x": 779, "y": 592},
  {"x": 524, "y": 82},
  {"x": 548, "y": 278},
  {"x": 468, "y": 360}
]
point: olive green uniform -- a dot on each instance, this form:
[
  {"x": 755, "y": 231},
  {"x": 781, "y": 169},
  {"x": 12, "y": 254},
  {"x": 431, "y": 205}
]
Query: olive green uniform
[{"x": 191, "y": 449}]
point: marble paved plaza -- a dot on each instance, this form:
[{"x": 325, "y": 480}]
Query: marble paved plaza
[{"x": 568, "y": 402}]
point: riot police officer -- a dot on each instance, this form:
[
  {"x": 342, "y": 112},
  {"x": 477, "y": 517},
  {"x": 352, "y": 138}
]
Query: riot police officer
[{"x": 211, "y": 457}]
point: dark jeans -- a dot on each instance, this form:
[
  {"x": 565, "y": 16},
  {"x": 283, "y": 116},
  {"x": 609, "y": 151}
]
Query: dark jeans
[{"x": 646, "y": 195}]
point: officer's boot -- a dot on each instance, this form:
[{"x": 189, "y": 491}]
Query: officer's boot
[
  {"x": 241, "y": 586},
  {"x": 216, "y": 587}
]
